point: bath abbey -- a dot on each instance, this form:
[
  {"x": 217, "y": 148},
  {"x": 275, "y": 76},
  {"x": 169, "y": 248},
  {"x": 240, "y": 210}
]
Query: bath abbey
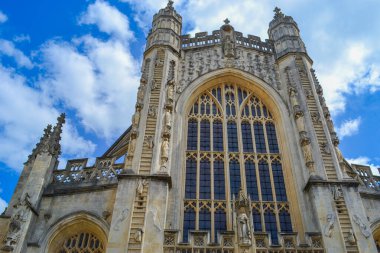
[{"x": 232, "y": 149}]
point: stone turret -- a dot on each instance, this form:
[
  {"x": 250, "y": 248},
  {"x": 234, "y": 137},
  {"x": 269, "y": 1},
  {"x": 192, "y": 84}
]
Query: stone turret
[
  {"x": 166, "y": 28},
  {"x": 283, "y": 30}
]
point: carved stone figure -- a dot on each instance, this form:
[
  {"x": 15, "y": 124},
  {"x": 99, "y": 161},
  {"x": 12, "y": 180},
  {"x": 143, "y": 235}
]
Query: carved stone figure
[
  {"x": 315, "y": 117},
  {"x": 351, "y": 237},
  {"x": 152, "y": 111},
  {"x": 165, "y": 148},
  {"x": 170, "y": 93},
  {"x": 366, "y": 231},
  {"x": 307, "y": 153},
  {"x": 140, "y": 186},
  {"x": 167, "y": 120},
  {"x": 228, "y": 47},
  {"x": 140, "y": 95},
  {"x": 132, "y": 145},
  {"x": 329, "y": 227},
  {"x": 154, "y": 85},
  {"x": 148, "y": 141},
  {"x": 138, "y": 235},
  {"x": 136, "y": 119},
  {"x": 337, "y": 192},
  {"x": 293, "y": 97},
  {"x": 244, "y": 232}
]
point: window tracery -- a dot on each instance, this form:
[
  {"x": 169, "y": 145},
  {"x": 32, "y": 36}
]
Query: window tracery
[
  {"x": 82, "y": 243},
  {"x": 232, "y": 144}
]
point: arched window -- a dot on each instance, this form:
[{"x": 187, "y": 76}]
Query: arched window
[
  {"x": 231, "y": 145},
  {"x": 82, "y": 242}
]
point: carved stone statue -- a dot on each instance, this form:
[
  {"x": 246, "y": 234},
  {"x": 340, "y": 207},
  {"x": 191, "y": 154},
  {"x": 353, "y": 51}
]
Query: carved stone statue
[
  {"x": 168, "y": 120},
  {"x": 293, "y": 97},
  {"x": 136, "y": 119},
  {"x": 329, "y": 227},
  {"x": 152, "y": 111},
  {"x": 170, "y": 92},
  {"x": 244, "y": 231},
  {"x": 228, "y": 47},
  {"x": 132, "y": 144},
  {"x": 140, "y": 186},
  {"x": 148, "y": 141},
  {"x": 307, "y": 153},
  {"x": 165, "y": 148},
  {"x": 351, "y": 237},
  {"x": 140, "y": 95},
  {"x": 337, "y": 192}
]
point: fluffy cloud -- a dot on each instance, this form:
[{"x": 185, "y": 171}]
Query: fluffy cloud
[
  {"x": 8, "y": 48},
  {"x": 363, "y": 160},
  {"x": 19, "y": 134},
  {"x": 349, "y": 127},
  {"x": 109, "y": 19},
  {"x": 3, "y": 17}
]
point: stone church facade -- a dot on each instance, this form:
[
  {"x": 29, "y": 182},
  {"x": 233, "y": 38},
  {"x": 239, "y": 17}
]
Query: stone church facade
[{"x": 231, "y": 150}]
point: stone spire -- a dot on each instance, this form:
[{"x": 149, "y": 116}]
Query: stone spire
[
  {"x": 54, "y": 145},
  {"x": 42, "y": 145}
]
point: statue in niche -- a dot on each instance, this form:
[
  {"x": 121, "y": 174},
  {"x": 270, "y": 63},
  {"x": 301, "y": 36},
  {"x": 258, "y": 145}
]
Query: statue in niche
[
  {"x": 138, "y": 235},
  {"x": 228, "y": 47},
  {"x": 152, "y": 111},
  {"x": 351, "y": 237},
  {"x": 337, "y": 192},
  {"x": 136, "y": 119},
  {"x": 140, "y": 95},
  {"x": 140, "y": 186},
  {"x": 148, "y": 141},
  {"x": 164, "y": 155},
  {"x": 329, "y": 227},
  {"x": 154, "y": 85},
  {"x": 170, "y": 93},
  {"x": 300, "y": 122},
  {"x": 293, "y": 97},
  {"x": 325, "y": 148},
  {"x": 307, "y": 153},
  {"x": 132, "y": 144},
  {"x": 244, "y": 231},
  {"x": 168, "y": 120}
]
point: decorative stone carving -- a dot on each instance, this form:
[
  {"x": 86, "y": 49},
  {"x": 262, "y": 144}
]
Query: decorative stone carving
[
  {"x": 140, "y": 95},
  {"x": 152, "y": 111},
  {"x": 366, "y": 231},
  {"x": 138, "y": 235},
  {"x": 164, "y": 155},
  {"x": 337, "y": 192},
  {"x": 16, "y": 222},
  {"x": 293, "y": 97},
  {"x": 149, "y": 141},
  {"x": 154, "y": 84},
  {"x": 171, "y": 73},
  {"x": 307, "y": 153},
  {"x": 170, "y": 93},
  {"x": 140, "y": 186},
  {"x": 132, "y": 146},
  {"x": 158, "y": 62},
  {"x": 123, "y": 215},
  {"x": 244, "y": 232},
  {"x": 329, "y": 227},
  {"x": 167, "y": 122},
  {"x": 136, "y": 119},
  {"x": 351, "y": 237},
  {"x": 325, "y": 148},
  {"x": 315, "y": 117},
  {"x": 242, "y": 210}
]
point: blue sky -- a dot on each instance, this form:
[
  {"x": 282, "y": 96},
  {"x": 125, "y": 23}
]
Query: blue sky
[{"x": 84, "y": 57}]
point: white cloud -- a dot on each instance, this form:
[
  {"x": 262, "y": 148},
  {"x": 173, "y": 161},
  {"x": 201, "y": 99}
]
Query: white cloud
[
  {"x": 8, "y": 48},
  {"x": 363, "y": 160},
  {"x": 3, "y": 205},
  {"x": 3, "y": 17},
  {"x": 349, "y": 127},
  {"x": 109, "y": 19},
  {"x": 24, "y": 113},
  {"x": 21, "y": 38},
  {"x": 99, "y": 83}
]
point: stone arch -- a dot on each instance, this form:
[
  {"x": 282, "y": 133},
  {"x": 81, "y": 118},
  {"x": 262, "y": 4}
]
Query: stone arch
[
  {"x": 72, "y": 225},
  {"x": 375, "y": 227},
  {"x": 274, "y": 103}
]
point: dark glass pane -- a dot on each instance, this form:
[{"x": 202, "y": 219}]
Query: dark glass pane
[
  {"x": 234, "y": 177},
  {"x": 265, "y": 111},
  {"x": 191, "y": 179},
  {"x": 240, "y": 93},
  {"x": 285, "y": 222},
  {"x": 204, "y": 180},
  {"x": 207, "y": 108},
  {"x": 259, "y": 137},
  {"x": 196, "y": 108},
  {"x": 253, "y": 110},
  {"x": 246, "y": 136},
  {"x": 218, "y": 135},
  {"x": 205, "y": 135},
  {"x": 266, "y": 188},
  {"x": 257, "y": 221},
  {"x": 204, "y": 219},
  {"x": 219, "y": 184},
  {"x": 220, "y": 222},
  {"x": 192, "y": 135},
  {"x": 272, "y": 138},
  {"x": 233, "y": 145},
  {"x": 278, "y": 179},
  {"x": 188, "y": 223},
  {"x": 271, "y": 226},
  {"x": 250, "y": 177}
]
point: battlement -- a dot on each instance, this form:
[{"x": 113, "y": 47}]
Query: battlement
[{"x": 203, "y": 39}]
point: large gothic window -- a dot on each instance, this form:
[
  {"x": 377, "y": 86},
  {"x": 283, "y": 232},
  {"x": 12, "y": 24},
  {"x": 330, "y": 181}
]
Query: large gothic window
[
  {"x": 82, "y": 243},
  {"x": 232, "y": 144}
]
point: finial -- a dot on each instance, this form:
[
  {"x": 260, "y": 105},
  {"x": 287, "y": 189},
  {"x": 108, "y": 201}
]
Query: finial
[
  {"x": 42, "y": 145},
  {"x": 170, "y": 4},
  {"x": 55, "y": 146},
  {"x": 226, "y": 21},
  {"x": 278, "y": 13}
]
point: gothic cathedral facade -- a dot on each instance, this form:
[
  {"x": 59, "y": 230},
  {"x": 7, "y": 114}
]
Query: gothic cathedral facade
[{"x": 231, "y": 150}]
